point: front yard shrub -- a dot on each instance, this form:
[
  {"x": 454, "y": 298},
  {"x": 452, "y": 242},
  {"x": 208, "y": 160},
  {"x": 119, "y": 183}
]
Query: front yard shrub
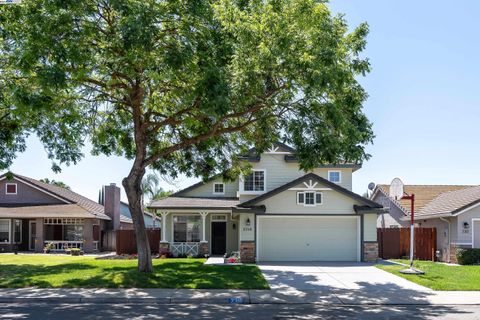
[{"x": 468, "y": 256}]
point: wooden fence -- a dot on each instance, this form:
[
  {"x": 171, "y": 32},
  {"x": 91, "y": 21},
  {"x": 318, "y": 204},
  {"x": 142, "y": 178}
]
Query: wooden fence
[
  {"x": 394, "y": 243},
  {"x": 108, "y": 240},
  {"x": 126, "y": 241}
]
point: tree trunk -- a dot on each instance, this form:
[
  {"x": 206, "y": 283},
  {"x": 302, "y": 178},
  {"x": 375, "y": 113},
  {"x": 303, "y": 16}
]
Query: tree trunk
[{"x": 133, "y": 188}]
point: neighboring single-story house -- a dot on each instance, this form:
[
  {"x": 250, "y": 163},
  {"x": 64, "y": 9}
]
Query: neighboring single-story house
[
  {"x": 34, "y": 214},
  {"x": 453, "y": 210},
  {"x": 151, "y": 221},
  {"x": 276, "y": 213}
]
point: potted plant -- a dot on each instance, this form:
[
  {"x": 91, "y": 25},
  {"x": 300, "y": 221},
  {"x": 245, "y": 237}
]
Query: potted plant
[
  {"x": 48, "y": 247},
  {"x": 75, "y": 251}
]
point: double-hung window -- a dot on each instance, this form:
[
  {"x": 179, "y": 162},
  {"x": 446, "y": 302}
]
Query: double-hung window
[
  {"x": 186, "y": 228},
  {"x": 309, "y": 198},
  {"x": 4, "y": 231},
  {"x": 254, "y": 181}
]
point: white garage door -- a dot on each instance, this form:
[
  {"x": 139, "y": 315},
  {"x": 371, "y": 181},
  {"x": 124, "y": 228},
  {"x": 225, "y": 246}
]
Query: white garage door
[{"x": 308, "y": 238}]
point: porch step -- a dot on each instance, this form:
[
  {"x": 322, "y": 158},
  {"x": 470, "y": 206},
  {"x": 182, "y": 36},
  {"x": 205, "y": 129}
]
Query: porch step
[{"x": 214, "y": 260}]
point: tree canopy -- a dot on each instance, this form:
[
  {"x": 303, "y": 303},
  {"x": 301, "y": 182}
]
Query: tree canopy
[{"x": 182, "y": 86}]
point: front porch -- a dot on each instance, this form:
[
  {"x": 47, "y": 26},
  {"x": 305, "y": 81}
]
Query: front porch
[
  {"x": 49, "y": 234},
  {"x": 200, "y": 233}
]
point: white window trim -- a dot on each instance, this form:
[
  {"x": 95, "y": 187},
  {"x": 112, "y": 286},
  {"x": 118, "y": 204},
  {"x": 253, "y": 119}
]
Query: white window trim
[
  {"x": 223, "y": 187},
  {"x": 222, "y": 219},
  {"x": 9, "y": 231},
  {"x": 339, "y": 176},
  {"x": 11, "y": 184},
  {"x": 242, "y": 183},
  {"x": 173, "y": 226},
  {"x": 314, "y": 198}
]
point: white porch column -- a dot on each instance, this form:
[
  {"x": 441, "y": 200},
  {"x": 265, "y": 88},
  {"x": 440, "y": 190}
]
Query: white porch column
[
  {"x": 204, "y": 218},
  {"x": 164, "y": 227}
]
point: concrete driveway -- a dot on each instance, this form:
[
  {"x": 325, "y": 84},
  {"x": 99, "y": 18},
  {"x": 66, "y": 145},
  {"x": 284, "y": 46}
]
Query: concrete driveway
[{"x": 333, "y": 282}]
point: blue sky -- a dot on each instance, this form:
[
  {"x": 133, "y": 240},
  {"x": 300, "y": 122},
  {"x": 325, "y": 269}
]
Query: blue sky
[{"x": 424, "y": 100}]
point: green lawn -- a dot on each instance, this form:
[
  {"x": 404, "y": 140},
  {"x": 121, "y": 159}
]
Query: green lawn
[
  {"x": 440, "y": 276},
  {"x": 48, "y": 271}
]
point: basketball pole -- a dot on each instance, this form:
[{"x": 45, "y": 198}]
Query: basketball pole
[{"x": 412, "y": 235}]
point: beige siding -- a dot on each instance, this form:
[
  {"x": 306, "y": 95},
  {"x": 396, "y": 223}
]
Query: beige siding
[
  {"x": 206, "y": 190},
  {"x": 370, "y": 227},
  {"x": 278, "y": 173},
  {"x": 286, "y": 203},
  {"x": 476, "y": 230}
]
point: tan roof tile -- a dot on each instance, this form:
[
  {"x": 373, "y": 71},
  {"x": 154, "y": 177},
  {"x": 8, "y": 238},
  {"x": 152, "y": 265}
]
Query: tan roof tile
[{"x": 424, "y": 194}]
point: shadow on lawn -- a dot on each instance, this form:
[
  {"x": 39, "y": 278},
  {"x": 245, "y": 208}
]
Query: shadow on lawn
[{"x": 167, "y": 274}]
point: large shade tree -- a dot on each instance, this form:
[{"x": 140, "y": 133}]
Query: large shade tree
[{"x": 182, "y": 86}]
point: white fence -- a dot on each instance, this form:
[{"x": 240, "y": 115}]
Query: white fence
[
  {"x": 188, "y": 248},
  {"x": 63, "y": 245}
]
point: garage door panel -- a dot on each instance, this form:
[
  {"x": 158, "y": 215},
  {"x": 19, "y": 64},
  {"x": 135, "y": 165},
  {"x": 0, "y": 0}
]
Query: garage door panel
[{"x": 307, "y": 239}]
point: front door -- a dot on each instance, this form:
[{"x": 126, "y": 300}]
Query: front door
[
  {"x": 32, "y": 234},
  {"x": 219, "y": 238}
]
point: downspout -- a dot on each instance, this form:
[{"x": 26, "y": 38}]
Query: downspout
[{"x": 449, "y": 224}]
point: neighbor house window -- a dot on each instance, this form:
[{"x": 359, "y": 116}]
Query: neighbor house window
[
  {"x": 4, "y": 231},
  {"x": 255, "y": 181},
  {"x": 335, "y": 176},
  {"x": 219, "y": 188},
  {"x": 186, "y": 228},
  {"x": 17, "y": 231},
  {"x": 11, "y": 188},
  {"x": 309, "y": 198}
]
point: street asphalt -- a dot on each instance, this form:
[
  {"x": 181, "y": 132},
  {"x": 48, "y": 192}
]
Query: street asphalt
[{"x": 231, "y": 311}]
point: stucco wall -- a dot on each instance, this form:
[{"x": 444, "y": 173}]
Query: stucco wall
[
  {"x": 465, "y": 235},
  {"x": 392, "y": 218}
]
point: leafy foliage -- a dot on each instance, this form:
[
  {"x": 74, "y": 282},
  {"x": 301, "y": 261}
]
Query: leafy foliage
[
  {"x": 56, "y": 183},
  {"x": 181, "y": 86},
  {"x": 468, "y": 256},
  {"x": 198, "y": 81}
]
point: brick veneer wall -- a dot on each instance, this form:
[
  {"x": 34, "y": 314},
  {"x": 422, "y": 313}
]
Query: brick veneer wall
[
  {"x": 247, "y": 251},
  {"x": 203, "y": 248},
  {"x": 370, "y": 251}
]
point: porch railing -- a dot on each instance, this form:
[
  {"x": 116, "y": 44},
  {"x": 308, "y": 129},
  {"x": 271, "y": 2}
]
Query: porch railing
[
  {"x": 188, "y": 248},
  {"x": 56, "y": 246}
]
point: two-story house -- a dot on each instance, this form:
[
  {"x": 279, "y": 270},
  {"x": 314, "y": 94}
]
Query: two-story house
[{"x": 276, "y": 213}]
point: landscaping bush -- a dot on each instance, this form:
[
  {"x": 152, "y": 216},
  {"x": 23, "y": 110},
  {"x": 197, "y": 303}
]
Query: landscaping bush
[
  {"x": 164, "y": 254},
  {"x": 468, "y": 256},
  {"x": 75, "y": 251}
]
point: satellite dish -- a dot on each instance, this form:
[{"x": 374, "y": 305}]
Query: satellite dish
[
  {"x": 371, "y": 186},
  {"x": 396, "y": 189}
]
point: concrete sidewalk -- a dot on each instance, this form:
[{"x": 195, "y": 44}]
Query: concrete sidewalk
[{"x": 176, "y": 296}]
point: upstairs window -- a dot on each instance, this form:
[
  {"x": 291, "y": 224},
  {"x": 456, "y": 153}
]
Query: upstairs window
[
  {"x": 255, "y": 181},
  {"x": 309, "y": 198},
  {"x": 11, "y": 188},
  {"x": 218, "y": 188},
  {"x": 335, "y": 176}
]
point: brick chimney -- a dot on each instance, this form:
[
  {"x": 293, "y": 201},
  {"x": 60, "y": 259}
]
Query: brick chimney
[{"x": 111, "y": 202}]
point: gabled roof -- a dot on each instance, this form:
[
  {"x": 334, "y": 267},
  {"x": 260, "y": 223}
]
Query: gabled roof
[
  {"x": 68, "y": 196},
  {"x": 313, "y": 177},
  {"x": 194, "y": 203},
  {"x": 424, "y": 194},
  {"x": 452, "y": 202}
]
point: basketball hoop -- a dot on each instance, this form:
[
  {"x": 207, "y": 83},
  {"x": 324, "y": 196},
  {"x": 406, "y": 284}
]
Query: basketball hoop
[
  {"x": 397, "y": 189},
  {"x": 397, "y": 192}
]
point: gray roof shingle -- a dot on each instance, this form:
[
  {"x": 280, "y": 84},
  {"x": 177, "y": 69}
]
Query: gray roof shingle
[
  {"x": 89, "y": 205},
  {"x": 194, "y": 202}
]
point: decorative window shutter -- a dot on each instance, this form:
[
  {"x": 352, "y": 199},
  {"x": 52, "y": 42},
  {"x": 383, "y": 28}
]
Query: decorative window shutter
[
  {"x": 318, "y": 198},
  {"x": 300, "y": 198}
]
